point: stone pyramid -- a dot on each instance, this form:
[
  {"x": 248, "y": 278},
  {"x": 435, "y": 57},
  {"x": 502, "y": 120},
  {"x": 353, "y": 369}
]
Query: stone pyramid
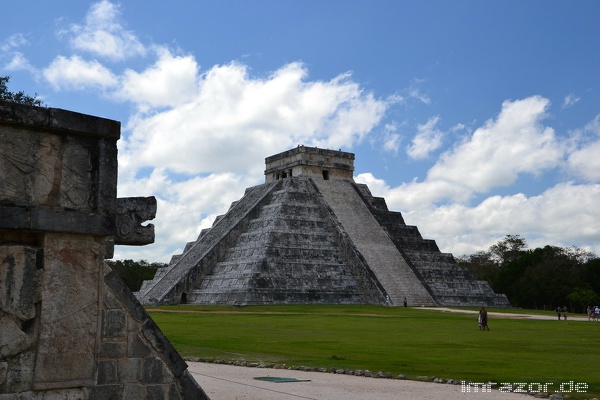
[{"x": 311, "y": 235}]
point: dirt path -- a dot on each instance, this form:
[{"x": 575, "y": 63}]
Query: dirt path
[
  {"x": 508, "y": 315},
  {"x": 227, "y": 382}
]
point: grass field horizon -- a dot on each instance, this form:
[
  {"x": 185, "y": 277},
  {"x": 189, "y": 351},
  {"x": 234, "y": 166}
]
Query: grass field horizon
[{"x": 409, "y": 341}]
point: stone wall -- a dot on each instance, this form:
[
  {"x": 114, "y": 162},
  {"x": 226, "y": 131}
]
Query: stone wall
[{"x": 69, "y": 328}]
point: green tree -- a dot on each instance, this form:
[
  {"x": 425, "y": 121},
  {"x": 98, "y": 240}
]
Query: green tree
[
  {"x": 541, "y": 277},
  {"x": 481, "y": 265},
  {"x": 508, "y": 249},
  {"x": 584, "y": 297},
  {"x": 591, "y": 274},
  {"x": 18, "y": 97},
  {"x": 486, "y": 265}
]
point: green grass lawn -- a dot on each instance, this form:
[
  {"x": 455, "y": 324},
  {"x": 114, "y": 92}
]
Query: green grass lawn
[{"x": 407, "y": 341}]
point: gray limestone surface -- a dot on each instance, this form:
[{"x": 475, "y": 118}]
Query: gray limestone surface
[{"x": 69, "y": 327}]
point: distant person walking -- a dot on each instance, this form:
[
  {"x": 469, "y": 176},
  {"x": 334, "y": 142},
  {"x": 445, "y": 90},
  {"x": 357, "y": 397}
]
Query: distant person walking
[
  {"x": 484, "y": 319},
  {"x": 564, "y": 312},
  {"x": 558, "y": 312}
]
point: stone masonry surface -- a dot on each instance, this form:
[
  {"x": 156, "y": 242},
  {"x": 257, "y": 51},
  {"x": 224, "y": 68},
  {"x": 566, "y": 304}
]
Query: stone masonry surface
[{"x": 69, "y": 327}]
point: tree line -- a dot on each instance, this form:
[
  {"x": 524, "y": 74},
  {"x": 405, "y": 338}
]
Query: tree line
[{"x": 541, "y": 278}]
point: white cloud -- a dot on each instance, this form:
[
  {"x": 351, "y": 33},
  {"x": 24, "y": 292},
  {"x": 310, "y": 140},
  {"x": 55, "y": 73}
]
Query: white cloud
[
  {"x": 584, "y": 161},
  {"x": 494, "y": 155},
  {"x": 565, "y": 214},
  {"x": 427, "y": 140},
  {"x": 515, "y": 142},
  {"x": 76, "y": 73},
  {"x": 378, "y": 187},
  {"x": 103, "y": 35},
  {"x": 20, "y": 63},
  {"x": 13, "y": 42},
  {"x": 417, "y": 195},
  {"x": 234, "y": 120},
  {"x": 16, "y": 59},
  {"x": 171, "y": 81},
  {"x": 570, "y": 100},
  {"x": 391, "y": 139},
  {"x": 416, "y": 94}
]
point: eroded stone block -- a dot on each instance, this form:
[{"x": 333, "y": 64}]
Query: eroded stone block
[
  {"x": 115, "y": 324},
  {"x": 42, "y": 169},
  {"x": 68, "y": 334},
  {"x": 19, "y": 281},
  {"x": 107, "y": 372},
  {"x": 112, "y": 350},
  {"x": 134, "y": 392},
  {"x": 12, "y": 339},
  {"x": 3, "y": 372},
  {"x": 130, "y": 369}
]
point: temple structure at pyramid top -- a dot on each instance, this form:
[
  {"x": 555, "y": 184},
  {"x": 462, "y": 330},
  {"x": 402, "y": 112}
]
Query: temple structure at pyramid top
[
  {"x": 310, "y": 161},
  {"x": 311, "y": 235}
]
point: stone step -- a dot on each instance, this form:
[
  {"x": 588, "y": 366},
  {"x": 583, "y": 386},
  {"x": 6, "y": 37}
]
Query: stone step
[
  {"x": 289, "y": 254},
  {"x": 292, "y": 224},
  {"x": 402, "y": 231},
  {"x": 416, "y": 245},
  {"x": 279, "y": 237},
  {"x": 299, "y": 283},
  {"x": 268, "y": 297}
]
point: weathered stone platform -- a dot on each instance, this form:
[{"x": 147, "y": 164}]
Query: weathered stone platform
[
  {"x": 69, "y": 327},
  {"x": 311, "y": 235}
]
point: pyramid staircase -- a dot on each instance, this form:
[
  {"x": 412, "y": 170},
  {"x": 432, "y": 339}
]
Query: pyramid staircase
[
  {"x": 449, "y": 284},
  {"x": 374, "y": 243}
]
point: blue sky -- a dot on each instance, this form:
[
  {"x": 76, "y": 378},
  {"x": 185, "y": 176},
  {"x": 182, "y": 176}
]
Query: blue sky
[{"x": 475, "y": 119}]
